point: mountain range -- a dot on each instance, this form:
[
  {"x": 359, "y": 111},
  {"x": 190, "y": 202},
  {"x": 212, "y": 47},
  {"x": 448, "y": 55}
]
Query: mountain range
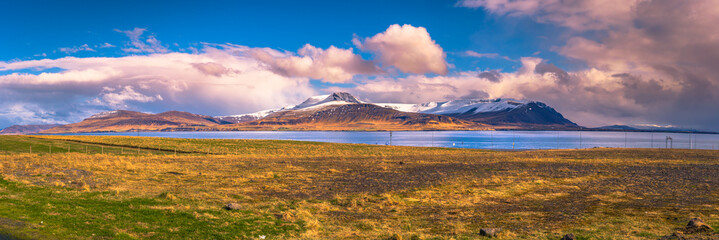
[
  {"x": 342, "y": 111},
  {"x": 501, "y": 113}
]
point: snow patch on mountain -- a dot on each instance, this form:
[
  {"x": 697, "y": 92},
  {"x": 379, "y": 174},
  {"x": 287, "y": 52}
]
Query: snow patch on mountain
[
  {"x": 458, "y": 106},
  {"x": 103, "y": 114}
]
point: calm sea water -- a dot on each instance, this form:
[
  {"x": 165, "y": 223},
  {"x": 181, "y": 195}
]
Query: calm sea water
[{"x": 470, "y": 139}]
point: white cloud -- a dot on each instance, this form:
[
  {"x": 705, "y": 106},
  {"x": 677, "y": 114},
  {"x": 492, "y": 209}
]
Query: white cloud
[
  {"x": 137, "y": 44},
  {"x": 119, "y": 99},
  {"x": 71, "y": 50},
  {"x": 20, "y": 113},
  {"x": 408, "y": 48},
  {"x": 333, "y": 64},
  {"x": 105, "y": 45},
  {"x": 470, "y": 53}
]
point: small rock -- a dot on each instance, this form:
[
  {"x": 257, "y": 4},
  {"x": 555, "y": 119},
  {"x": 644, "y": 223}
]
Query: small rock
[
  {"x": 568, "y": 237},
  {"x": 489, "y": 232},
  {"x": 696, "y": 225},
  {"x": 233, "y": 206},
  {"x": 395, "y": 237},
  {"x": 674, "y": 236}
]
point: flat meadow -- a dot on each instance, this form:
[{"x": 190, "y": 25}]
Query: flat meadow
[{"x": 106, "y": 187}]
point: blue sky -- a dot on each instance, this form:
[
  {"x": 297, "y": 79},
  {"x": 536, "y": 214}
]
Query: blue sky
[
  {"x": 39, "y": 27},
  {"x": 599, "y": 62}
]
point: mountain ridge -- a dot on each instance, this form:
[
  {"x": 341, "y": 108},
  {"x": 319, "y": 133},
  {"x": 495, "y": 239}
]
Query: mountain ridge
[
  {"x": 126, "y": 121},
  {"x": 26, "y": 129}
]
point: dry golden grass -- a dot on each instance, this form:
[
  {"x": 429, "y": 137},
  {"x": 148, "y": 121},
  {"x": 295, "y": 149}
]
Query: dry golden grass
[{"x": 338, "y": 191}]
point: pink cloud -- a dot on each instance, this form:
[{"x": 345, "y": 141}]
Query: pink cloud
[{"x": 410, "y": 49}]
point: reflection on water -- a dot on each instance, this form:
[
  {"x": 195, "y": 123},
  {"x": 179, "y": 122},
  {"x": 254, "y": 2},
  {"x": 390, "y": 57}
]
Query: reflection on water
[{"x": 470, "y": 139}]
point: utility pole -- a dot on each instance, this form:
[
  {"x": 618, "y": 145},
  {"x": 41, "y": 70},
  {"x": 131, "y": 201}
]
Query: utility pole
[
  {"x": 580, "y": 139},
  {"x": 491, "y": 139},
  {"x": 390, "y": 138},
  {"x": 652, "y": 140},
  {"x": 557, "y": 140},
  {"x": 625, "y": 138},
  {"x": 432, "y": 138}
]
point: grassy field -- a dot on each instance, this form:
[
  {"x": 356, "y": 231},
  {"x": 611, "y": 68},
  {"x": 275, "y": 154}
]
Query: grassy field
[{"x": 88, "y": 187}]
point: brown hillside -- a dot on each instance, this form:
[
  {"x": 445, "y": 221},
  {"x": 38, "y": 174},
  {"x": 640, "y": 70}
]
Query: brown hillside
[{"x": 125, "y": 121}]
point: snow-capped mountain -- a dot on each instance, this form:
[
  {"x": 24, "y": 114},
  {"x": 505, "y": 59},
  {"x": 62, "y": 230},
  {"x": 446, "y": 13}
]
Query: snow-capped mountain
[
  {"x": 498, "y": 112},
  {"x": 338, "y": 98}
]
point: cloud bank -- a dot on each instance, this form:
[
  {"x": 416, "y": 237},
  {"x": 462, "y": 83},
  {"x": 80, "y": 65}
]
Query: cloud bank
[{"x": 213, "y": 82}]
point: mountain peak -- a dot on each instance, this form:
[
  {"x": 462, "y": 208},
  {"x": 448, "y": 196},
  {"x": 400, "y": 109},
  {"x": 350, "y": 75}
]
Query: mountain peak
[
  {"x": 342, "y": 96},
  {"x": 337, "y": 97}
]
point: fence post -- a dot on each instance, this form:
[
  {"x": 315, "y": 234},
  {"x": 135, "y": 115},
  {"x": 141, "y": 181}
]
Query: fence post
[
  {"x": 51, "y": 148},
  {"x": 31, "y": 149}
]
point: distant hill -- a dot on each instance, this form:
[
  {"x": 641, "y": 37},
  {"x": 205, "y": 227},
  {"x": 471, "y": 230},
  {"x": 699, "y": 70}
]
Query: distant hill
[
  {"x": 26, "y": 129},
  {"x": 125, "y": 121},
  {"x": 649, "y": 128},
  {"x": 618, "y": 128}
]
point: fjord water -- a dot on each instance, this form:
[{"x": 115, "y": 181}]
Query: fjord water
[{"x": 467, "y": 139}]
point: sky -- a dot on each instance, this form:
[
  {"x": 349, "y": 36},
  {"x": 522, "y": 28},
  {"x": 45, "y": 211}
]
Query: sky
[{"x": 598, "y": 62}]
